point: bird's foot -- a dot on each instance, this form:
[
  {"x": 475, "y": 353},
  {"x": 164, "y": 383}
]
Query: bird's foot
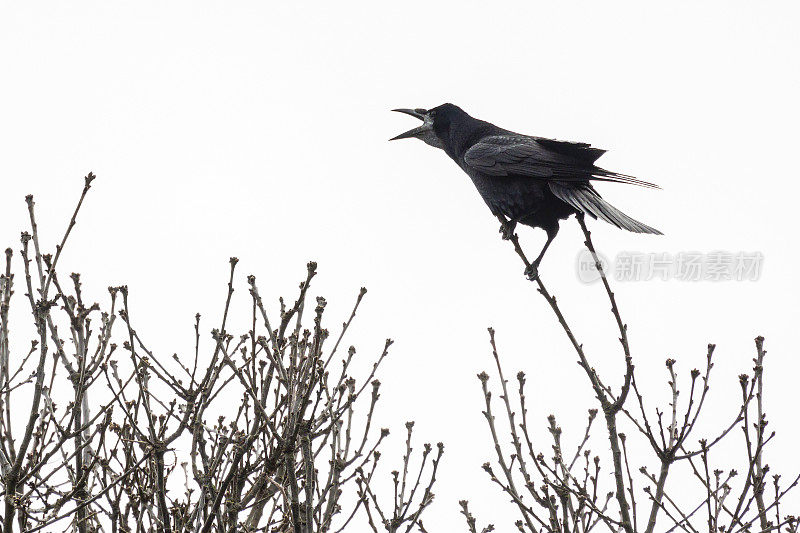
[
  {"x": 507, "y": 229},
  {"x": 532, "y": 272}
]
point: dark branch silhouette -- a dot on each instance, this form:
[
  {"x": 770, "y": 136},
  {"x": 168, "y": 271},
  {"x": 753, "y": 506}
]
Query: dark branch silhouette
[
  {"x": 266, "y": 430},
  {"x": 559, "y": 494}
]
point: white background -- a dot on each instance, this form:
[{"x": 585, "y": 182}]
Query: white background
[{"x": 258, "y": 129}]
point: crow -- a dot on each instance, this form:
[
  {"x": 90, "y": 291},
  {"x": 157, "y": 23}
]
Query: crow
[{"x": 524, "y": 179}]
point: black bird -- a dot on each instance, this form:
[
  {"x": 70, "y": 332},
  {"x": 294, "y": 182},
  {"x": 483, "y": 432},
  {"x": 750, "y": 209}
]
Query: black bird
[{"x": 530, "y": 180}]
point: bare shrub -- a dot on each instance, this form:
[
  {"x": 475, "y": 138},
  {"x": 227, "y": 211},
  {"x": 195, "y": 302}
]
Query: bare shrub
[
  {"x": 267, "y": 430},
  {"x": 563, "y": 490}
]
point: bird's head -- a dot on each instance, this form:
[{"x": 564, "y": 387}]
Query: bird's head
[{"x": 435, "y": 124}]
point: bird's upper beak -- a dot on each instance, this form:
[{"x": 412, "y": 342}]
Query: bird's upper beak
[{"x": 422, "y": 114}]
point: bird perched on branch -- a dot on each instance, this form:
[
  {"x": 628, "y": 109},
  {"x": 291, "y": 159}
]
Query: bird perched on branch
[{"x": 524, "y": 179}]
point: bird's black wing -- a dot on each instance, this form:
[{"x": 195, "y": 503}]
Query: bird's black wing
[{"x": 520, "y": 155}]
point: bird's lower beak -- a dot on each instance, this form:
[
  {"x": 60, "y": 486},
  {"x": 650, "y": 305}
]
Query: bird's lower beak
[{"x": 419, "y": 130}]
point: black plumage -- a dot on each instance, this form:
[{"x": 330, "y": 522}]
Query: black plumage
[{"x": 525, "y": 179}]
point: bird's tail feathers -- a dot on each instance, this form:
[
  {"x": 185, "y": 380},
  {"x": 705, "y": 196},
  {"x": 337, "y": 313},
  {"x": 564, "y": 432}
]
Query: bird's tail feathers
[
  {"x": 601, "y": 174},
  {"x": 586, "y": 200}
]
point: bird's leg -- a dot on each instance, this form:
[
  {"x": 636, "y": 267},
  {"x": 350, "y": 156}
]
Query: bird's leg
[
  {"x": 507, "y": 227},
  {"x": 532, "y": 272}
]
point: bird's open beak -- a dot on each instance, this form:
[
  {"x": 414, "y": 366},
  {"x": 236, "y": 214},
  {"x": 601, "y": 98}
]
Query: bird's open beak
[{"x": 421, "y": 114}]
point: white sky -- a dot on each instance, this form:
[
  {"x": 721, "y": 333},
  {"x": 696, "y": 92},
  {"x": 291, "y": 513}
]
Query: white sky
[{"x": 258, "y": 129}]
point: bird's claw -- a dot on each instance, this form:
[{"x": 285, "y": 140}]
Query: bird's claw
[
  {"x": 532, "y": 272},
  {"x": 507, "y": 230}
]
